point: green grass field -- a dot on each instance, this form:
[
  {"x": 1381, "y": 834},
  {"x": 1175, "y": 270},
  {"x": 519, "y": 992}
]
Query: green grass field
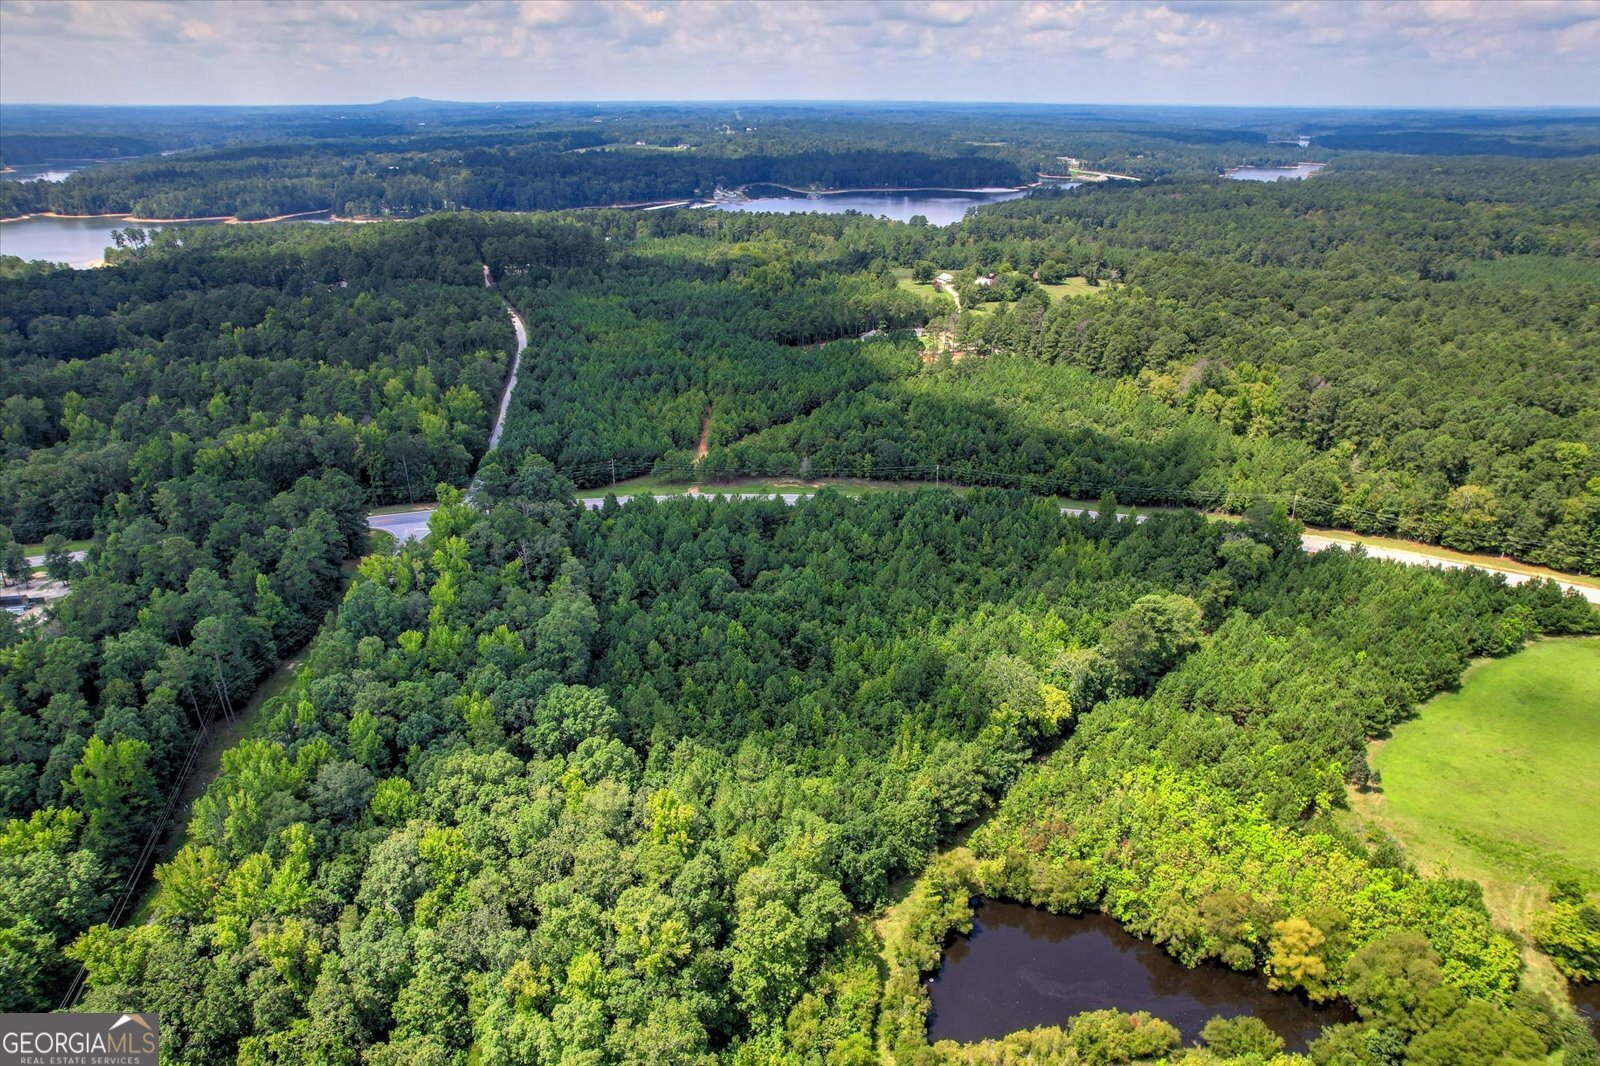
[
  {"x": 903, "y": 281},
  {"x": 1070, "y": 287},
  {"x": 1497, "y": 781},
  {"x": 72, "y": 546},
  {"x": 1073, "y": 287},
  {"x": 846, "y": 486}
]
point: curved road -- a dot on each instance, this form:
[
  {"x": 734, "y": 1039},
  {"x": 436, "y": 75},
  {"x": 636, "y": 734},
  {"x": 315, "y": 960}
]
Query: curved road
[{"x": 521, "y": 328}]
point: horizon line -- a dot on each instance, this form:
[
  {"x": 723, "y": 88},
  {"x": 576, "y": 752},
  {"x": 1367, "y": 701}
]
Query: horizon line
[{"x": 815, "y": 101}]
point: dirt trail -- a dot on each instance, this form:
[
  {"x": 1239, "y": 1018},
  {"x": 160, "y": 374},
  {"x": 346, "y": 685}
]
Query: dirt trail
[{"x": 704, "y": 447}]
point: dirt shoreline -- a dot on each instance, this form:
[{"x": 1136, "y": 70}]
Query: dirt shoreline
[
  {"x": 53, "y": 214},
  {"x": 895, "y": 188},
  {"x": 231, "y": 220}
]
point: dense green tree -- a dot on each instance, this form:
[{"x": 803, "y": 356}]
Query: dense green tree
[{"x": 1569, "y": 932}]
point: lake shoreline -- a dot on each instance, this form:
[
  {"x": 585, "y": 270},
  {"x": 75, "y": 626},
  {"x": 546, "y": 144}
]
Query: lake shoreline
[
  {"x": 1293, "y": 172},
  {"x": 992, "y": 189},
  {"x": 137, "y": 220}
]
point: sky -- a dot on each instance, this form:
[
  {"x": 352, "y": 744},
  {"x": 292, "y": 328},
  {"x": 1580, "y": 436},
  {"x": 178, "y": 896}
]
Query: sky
[{"x": 1426, "y": 53}]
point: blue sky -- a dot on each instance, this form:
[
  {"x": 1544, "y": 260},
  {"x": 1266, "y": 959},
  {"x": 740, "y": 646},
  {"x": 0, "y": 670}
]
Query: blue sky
[{"x": 1300, "y": 52}]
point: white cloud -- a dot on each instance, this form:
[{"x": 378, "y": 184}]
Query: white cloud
[{"x": 1471, "y": 52}]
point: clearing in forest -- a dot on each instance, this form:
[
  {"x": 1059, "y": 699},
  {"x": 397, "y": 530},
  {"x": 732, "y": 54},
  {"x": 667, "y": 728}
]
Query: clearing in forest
[
  {"x": 701, "y": 449},
  {"x": 1496, "y": 781}
]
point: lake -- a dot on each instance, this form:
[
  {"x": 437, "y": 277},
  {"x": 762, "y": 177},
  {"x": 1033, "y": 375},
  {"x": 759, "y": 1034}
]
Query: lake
[
  {"x": 1022, "y": 967},
  {"x": 1297, "y": 172},
  {"x": 42, "y": 171},
  {"x": 78, "y": 242},
  {"x": 940, "y": 207}
]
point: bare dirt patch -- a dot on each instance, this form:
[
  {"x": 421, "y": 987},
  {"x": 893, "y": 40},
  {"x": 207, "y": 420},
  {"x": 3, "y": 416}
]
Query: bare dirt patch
[{"x": 704, "y": 447}]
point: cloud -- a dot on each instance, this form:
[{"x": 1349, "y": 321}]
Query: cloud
[{"x": 1435, "y": 52}]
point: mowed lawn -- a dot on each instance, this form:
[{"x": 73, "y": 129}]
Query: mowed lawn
[{"x": 1498, "y": 781}]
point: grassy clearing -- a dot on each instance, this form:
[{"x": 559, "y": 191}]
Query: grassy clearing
[
  {"x": 918, "y": 288},
  {"x": 400, "y": 508},
  {"x": 847, "y": 486},
  {"x": 1496, "y": 781},
  {"x": 661, "y": 487},
  {"x": 1070, "y": 287},
  {"x": 1073, "y": 287},
  {"x": 225, "y": 735},
  {"x": 72, "y": 546}
]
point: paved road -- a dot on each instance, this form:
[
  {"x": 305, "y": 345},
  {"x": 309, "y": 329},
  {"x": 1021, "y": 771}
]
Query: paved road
[
  {"x": 516, "y": 365},
  {"x": 38, "y": 560},
  {"x": 403, "y": 525}
]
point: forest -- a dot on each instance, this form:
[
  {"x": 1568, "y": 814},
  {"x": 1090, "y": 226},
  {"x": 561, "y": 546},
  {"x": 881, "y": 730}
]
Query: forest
[
  {"x": 616, "y": 784},
  {"x": 251, "y": 357},
  {"x": 405, "y": 158},
  {"x": 217, "y": 419},
  {"x": 1227, "y": 361},
  {"x": 710, "y": 781},
  {"x": 389, "y": 179}
]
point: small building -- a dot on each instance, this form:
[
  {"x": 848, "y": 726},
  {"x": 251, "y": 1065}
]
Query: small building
[
  {"x": 983, "y": 281},
  {"x": 945, "y": 278}
]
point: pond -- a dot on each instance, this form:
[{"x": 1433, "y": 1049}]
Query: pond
[
  {"x": 1297, "y": 172},
  {"x": 1022, "y": 967},
  {"x": 1586, "y": 998},
  {"x": 939, "y": 206}
]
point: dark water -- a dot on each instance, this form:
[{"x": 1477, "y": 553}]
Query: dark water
[
  {"x": 939, "y": 206},
  {"x": 1022, "y": 967},
  {"x": 1587, "y": 999}
]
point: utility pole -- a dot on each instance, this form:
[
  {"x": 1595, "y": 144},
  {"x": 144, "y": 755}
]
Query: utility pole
[
  {"x": 222, "y": 689},
  {"x": 613, "y": 473},
  {"x": 935, "y": 475},
  {"x": 1294, "y": 504}
]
